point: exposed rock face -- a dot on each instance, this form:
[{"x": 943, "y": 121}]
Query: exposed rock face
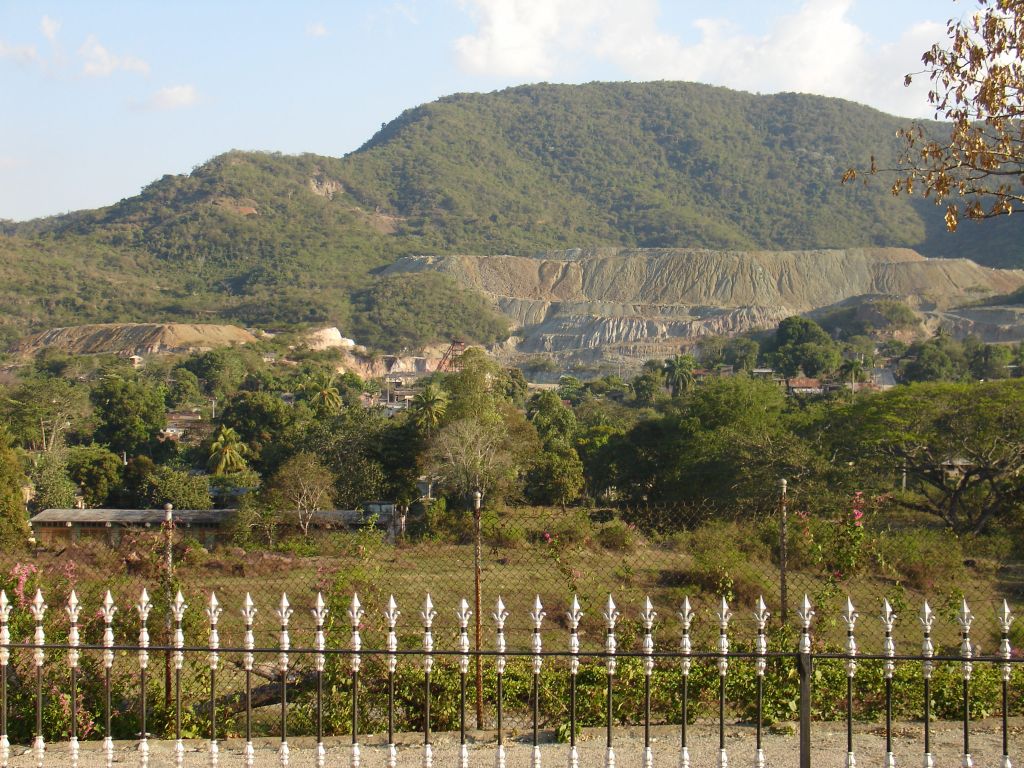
[
  {"x": 637, "y": 302},
  {"x": 328, "y": 338},
  {"x": 135, "y": 338}
]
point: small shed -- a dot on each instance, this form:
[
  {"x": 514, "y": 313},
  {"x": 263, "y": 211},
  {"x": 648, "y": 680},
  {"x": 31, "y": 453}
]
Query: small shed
[{"x": 56, "y": 527}]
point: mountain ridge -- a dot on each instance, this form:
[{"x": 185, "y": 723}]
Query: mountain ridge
[{"x": 266, "y": 239}]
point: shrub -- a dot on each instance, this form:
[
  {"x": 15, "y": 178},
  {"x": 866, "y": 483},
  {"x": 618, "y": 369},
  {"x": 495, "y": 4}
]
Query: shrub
[{"x": 615, "y": 535}]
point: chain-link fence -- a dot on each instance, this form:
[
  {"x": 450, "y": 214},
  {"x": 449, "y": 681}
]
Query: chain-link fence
[{"x": 518, "y": 554}]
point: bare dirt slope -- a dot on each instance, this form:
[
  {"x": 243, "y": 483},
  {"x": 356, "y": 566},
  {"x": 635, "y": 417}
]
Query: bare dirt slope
[
  {"x": 627, "y": 301},
  {"x": 134, "y": 338}
]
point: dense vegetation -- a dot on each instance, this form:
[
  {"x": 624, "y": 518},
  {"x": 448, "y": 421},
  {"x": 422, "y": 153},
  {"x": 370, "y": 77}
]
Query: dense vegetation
[{"x": 266, "y": 239}]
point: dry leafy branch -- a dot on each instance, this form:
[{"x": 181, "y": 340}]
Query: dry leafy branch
[{"x": 977, "y": 84}]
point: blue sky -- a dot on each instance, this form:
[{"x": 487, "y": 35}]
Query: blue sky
[{"x": 101, "y": 98}]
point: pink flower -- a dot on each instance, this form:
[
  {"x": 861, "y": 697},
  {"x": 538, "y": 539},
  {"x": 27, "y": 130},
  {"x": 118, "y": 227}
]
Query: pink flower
[{"x": 21, "y": 572}]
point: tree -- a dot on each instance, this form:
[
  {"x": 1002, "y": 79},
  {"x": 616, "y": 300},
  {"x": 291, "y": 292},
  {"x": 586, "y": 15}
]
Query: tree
[
  {"x": 166, "y": 485},
  {"x": 741, "y": 353},
  {"x": 556, "y": 478},
  {"x": 555, "y": 424},
  {"x": 184, "y": 389},
  {"x": 803, "y": 345},
  {"x": 14, "y": 528},
  {"x": 96, "y": 471},
  {"x": 469, "y": 455},
  {"x": 42, "y": 410},
  {"x": 646, "y": 387},
  {"x": 301, "y": 488},
  {"x": 131, "y": 413},
  {"x": 54, "y": 487},
  {"x": 260, "y": 419},
  {"x": 961, "y": 445},
  {"x": 322, "y": 391},
  {"x": 428, "y": 407},
  {"x": 679, "y": 373},
  {"x": 977, "y": 88},
  {"x": 227, "y": 452}
]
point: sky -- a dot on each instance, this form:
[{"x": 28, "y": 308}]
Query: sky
[{"x": 102, "y": 98}]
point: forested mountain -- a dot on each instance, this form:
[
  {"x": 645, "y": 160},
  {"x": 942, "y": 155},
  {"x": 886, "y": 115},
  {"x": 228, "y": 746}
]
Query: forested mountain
[{"x": 262, "y": 238}]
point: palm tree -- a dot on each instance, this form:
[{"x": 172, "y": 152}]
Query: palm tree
[
  {"x": 679, "y": 373},
  {"x": 854, "y": 370},
  {"x": 227, "y": 452},
  {"x": 428, "y": 407},
  {"x": 322, "y": 391}
]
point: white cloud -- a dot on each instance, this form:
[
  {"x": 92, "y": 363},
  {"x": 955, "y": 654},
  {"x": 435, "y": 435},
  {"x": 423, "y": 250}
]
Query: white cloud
[
  {"x": 173, "y": 97},
  {"x": 817, "y": 49},
  {"x": 49, "y": 28},
  {"x": 22, "y": 54},
  {"x": 316, "y": 29},
  {"x": 99, "y": 62}
]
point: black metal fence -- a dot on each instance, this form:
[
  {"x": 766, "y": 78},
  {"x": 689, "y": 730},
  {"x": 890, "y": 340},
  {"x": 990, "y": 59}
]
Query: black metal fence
[{"x": 356, "y": 670}]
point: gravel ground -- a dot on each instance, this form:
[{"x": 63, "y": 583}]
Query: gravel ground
[{"x": 780, "y": 746}]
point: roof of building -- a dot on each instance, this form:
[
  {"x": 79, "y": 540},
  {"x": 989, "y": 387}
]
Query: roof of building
[
  {"x": 132, "y": 516},
  {"x": 803, "y": 382}
]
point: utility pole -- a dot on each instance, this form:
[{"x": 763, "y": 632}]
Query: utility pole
[
  {"x": 477, "y": 496},
  {"x": 169, "y": 576}
]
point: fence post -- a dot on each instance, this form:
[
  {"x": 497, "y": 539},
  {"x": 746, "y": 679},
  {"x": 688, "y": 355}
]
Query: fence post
[
  {"x": 783, "y": 539},
  {"x": 477, "y": 495},
  {"x": 804, "y": 666}
]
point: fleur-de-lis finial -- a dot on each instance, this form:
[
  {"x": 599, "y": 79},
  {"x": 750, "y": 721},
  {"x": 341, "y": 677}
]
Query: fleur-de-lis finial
[
  {"x": 724, "y": 614},
  {"x": 463, "y": 614},
  {"x": 500, "y": 614},
  {"x": 927, "y": 617},
  {"x": 392, "y": 613},
  {"x": 284, "y": 609},
  {"x": 888, "y": 615},
  {"x": 537, "y": 614},
  {"x": 428, "y": 613},
  {"x": 965, "y": 617},
  {"x": 144, "y": 606},
  {"x": 38, "y": 606},
  {"x": 648, "y": 614},
  {"x": 611, "y": 613},
  {"x": 686, "y": 614},
  {"x": 849, "y": 615},
  {"x": 178, "y": 607},
  {"x": 574, "y": 613},
  {"x": 73, "y": 607},
  {"x": 1005, "y": 617},
  {"x": 762, "y": 613},
  {"x": 355, "y": 611},
  {"x": 319, "y": 610},
  {"x": 108, "y": 609},
  {"x": 248, "y": 609},
  {"x": 806, "y": 612},
  {"x": 213, "y": 609}
]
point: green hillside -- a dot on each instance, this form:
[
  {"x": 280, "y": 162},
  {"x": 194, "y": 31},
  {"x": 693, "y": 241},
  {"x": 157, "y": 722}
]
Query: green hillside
[{"x": 267, "y": 239}]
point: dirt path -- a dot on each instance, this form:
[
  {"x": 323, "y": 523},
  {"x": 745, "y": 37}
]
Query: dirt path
[{"x": 781, "y": 748}]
